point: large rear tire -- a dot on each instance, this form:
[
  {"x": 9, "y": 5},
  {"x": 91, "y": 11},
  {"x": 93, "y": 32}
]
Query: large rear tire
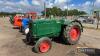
[
  {"x": 72, "y": 33},
  {"x": 43, "y": 45}
]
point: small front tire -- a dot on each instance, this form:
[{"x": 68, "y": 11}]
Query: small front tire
[{"x": 43, "y": 45}]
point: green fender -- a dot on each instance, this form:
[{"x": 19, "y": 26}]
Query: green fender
[{"x": 68, "y": 22}]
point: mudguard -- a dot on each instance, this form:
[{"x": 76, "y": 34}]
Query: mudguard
[{"x": 67, "y": 22}]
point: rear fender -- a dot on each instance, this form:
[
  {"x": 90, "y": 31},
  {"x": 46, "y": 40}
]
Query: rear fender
[
  {"x": 68, "y": 22},
  {"x": 79, "y": 23}
]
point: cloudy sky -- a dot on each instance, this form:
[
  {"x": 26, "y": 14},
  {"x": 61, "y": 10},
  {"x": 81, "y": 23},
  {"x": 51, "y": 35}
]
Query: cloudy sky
[{"x": 37, "y": 5}]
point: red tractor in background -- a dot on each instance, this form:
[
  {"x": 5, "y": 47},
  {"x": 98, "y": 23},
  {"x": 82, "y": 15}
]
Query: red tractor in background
[{"x": 18, "y": 18}]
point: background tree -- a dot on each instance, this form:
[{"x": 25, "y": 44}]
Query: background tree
[{"x": 58, "y": 12}]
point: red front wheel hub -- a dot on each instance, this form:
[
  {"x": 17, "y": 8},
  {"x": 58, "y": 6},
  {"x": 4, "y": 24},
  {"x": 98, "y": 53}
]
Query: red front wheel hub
[{"x": 44, "y": 47}]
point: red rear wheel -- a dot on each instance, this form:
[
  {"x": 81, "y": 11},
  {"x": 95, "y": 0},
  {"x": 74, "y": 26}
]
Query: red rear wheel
[
  {"x": 74, "y": 33},
  {"x": 44, "y": 47}
]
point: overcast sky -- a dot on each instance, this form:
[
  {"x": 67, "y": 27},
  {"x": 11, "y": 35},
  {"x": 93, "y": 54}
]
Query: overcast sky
[{"x": 37, "y": 5}]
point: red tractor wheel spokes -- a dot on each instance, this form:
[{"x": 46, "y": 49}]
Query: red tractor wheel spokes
[
  {"x": 74, "y": 33},
  {"x": 44, "y": 46}
]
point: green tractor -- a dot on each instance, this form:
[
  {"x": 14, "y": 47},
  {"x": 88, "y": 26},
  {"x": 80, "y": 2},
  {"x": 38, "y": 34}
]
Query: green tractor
[{"x": 42, "y": 31}]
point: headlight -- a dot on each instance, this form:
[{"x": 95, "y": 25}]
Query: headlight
[{"x": 26, "y": 30}]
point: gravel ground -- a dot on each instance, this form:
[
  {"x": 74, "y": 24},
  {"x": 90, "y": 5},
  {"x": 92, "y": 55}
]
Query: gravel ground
[
  {"x": 91, "y": 38},
  {"x": 91, "y": 26},
  {"x": 12, "y": 43}
]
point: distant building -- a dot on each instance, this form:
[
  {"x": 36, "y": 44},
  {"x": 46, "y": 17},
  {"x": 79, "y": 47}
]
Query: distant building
[{"x": 97, "y": 13}]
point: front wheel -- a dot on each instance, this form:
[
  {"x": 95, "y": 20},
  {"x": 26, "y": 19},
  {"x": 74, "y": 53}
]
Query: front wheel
[
  {"x": 72, "y": 33},
  {"x": 28, "y": 38},
  {"x": 43, "y": 45}
]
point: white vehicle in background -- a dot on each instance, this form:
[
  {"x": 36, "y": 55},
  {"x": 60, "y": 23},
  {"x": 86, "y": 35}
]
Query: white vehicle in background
[
  {"x": 82, "y": 20},
  {"x": 86, "y": 20}
]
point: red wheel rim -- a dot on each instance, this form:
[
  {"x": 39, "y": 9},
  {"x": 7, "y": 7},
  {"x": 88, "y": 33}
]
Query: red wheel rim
[
  {"x": 44, "y": 47},
  {"x": 74, "y": 33}
]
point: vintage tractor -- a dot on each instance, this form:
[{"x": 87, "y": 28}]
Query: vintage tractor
[
  {"x": 42, "y": 31},
  {"x": 25, "y": 23},
  {"x": 17, "y": 21}
]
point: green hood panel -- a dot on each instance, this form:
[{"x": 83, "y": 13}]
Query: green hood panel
[{"x": 45, "y": 27}]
